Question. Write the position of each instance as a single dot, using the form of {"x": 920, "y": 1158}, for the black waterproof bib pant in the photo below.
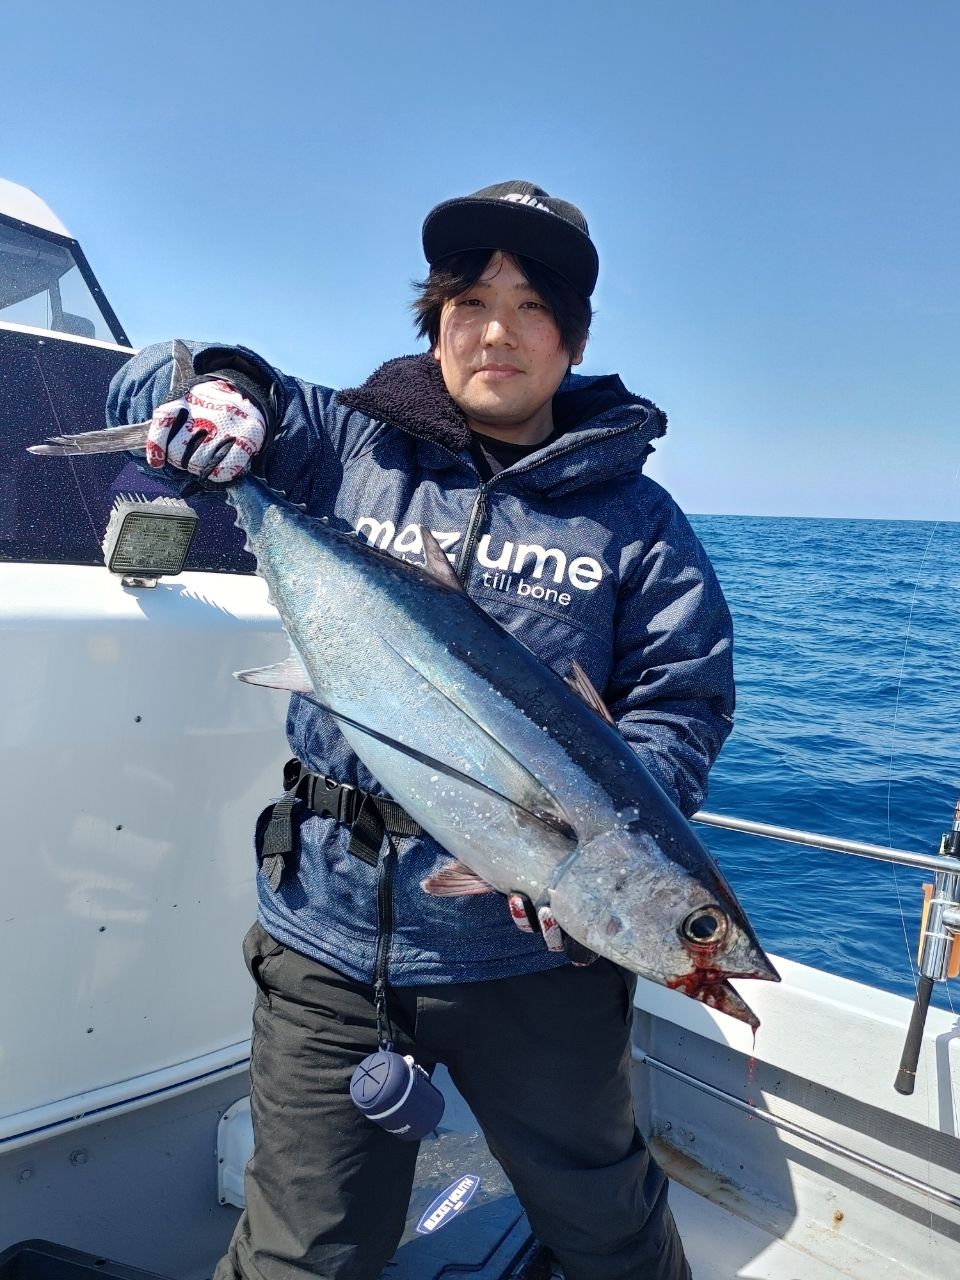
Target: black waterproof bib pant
{"x": 544, "y": 1063}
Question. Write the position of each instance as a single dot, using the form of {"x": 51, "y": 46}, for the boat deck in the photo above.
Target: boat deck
{"x": 720, "y": 1245}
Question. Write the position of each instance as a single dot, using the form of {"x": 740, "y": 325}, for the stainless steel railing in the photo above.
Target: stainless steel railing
{"x": 924, "y": 861}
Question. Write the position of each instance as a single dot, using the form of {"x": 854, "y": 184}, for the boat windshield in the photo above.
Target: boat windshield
{"x": 43, "y": 286}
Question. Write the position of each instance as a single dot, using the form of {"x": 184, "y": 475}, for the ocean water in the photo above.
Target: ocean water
{"x": 847, "y": 635}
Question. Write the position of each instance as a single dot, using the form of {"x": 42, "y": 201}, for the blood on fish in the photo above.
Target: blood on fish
{"x": 693, "y": 983}
{"x": 709, "y": 986}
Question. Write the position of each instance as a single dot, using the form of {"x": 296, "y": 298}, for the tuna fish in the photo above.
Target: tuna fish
{"x": 523, "y": 778}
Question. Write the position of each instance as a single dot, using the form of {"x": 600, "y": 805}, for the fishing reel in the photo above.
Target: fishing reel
{"x": 938, "y": 957}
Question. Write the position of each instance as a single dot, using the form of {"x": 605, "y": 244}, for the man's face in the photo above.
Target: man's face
{"x": 500, "y": 354}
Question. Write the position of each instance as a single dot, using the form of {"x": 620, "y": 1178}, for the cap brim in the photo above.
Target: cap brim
{"x": 471, "y": 223}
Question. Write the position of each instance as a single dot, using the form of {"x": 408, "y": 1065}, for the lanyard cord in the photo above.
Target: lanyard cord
{"x": 386, "y": 873}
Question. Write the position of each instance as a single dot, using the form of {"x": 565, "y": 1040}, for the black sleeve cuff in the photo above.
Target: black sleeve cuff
{"x": 248, "y": 376}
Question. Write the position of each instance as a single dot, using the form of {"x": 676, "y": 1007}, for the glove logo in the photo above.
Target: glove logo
{"x": 212, "y": 431}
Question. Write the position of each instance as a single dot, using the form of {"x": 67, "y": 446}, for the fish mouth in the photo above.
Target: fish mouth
{"x": 710, "y": 982}
{"x": 712, "y": 988}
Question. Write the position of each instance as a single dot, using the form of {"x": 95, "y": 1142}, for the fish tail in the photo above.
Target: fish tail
{"x": 106, "y": 440}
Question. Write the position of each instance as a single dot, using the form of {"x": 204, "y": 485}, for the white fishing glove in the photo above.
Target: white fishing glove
{"x": 530, "y": 920}
{"x": 212, "y": 431}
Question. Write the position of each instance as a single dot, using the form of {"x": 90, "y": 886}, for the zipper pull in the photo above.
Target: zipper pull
{"x": 384, "y": 1029}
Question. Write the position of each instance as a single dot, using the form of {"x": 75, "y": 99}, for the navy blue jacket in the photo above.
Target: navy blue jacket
{"x": 573, "y": 550}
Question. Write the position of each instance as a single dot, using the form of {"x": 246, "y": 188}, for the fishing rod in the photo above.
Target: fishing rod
{"x": 938, "y": 957}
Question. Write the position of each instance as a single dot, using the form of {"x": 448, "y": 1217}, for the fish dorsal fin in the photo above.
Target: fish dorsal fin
{"x": 290, "y": 674}
{"x": 436, "y": 562}
{"x": 455, "y": 881}
{"x": 583, "y": 686}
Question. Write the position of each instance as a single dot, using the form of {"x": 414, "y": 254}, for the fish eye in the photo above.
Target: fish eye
{"x": 706, "y": 926}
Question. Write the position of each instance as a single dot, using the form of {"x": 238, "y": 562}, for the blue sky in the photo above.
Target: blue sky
{"x": 773, "y": 189}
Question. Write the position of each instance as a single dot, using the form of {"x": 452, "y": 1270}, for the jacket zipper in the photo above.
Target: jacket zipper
{"x": 472, "y": 536}
{"x": 479, "y": 511}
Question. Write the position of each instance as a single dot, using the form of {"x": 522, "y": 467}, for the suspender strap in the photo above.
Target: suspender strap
{"x": 366, "y": 831}
{"x": 367, "y": 816}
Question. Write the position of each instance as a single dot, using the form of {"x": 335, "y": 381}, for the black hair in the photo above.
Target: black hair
{"x": 453, "y": 275}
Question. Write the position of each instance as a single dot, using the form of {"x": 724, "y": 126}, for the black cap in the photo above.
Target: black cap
{"x": 517, "y": 217}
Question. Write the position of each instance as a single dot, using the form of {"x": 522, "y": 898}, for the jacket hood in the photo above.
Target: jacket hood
{"x": 409, "y": 392}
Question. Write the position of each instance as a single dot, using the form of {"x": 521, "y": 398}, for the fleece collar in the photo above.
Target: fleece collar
{"x": 410, "y": 393}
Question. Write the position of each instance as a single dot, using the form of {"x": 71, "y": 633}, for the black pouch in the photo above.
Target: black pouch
{"x": 277, "y": 838}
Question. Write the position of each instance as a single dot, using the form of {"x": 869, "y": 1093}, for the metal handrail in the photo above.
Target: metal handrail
{"x": 923, "y": 861}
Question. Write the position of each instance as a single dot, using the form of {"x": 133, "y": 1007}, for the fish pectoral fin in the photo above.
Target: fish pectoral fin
{"x": 436, "y": 562}
{"x": 456, "y": 880}
{"x": 556, "y": 825}
{"x": 290, "y": 674}
{"x": 583, "y": 686}
{"x": 549, "y": 811}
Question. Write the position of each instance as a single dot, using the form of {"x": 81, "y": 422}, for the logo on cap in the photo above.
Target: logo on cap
{"x": 516, "y": 198}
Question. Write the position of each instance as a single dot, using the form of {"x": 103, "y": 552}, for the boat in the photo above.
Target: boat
{"x": 128, "y": 885}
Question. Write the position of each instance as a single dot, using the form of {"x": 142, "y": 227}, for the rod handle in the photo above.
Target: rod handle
{"x": 907, "y": 1075}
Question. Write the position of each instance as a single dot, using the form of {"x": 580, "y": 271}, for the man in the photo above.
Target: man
{"x": 533, "y": 478}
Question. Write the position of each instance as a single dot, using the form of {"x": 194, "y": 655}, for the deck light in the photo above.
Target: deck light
{"x": 148, "y": 537}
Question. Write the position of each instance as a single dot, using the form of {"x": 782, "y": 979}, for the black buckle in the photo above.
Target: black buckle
{"x": 337, "y": 799}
